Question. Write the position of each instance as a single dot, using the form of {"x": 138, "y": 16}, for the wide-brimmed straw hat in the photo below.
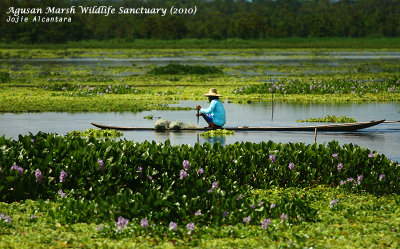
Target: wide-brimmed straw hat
{"x": 212, "y": 93}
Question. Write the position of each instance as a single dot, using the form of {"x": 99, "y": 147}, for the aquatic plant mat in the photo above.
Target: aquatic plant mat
{"x": 67, "y": 191}
{"x": 101, "y": 80}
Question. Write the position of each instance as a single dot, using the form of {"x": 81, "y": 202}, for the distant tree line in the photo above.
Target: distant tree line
{"x": 217, "y": 19}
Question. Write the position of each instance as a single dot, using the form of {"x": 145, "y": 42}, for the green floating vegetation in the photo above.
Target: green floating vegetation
{"x": 331, "y": 86}
{"x": 185, "y": 69}
{"x": 329, "y": 119}
{"x": 158, "y": 193}
{"x": 5, "y": 77}
{"x": 217, "y": 132}
{"x": 97, "y": 133}
{"x": 149, "y": 117}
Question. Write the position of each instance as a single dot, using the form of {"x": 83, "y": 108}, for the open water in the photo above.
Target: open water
{"x": 384, "y": 138}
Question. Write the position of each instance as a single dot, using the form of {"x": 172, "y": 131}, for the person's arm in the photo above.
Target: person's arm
{"x": 210, "y": 109}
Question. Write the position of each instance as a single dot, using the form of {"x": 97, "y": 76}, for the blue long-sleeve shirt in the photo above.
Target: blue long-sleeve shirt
{"x": 217, "y": 110}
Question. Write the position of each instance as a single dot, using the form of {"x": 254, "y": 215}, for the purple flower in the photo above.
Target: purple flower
{"x": 246, "y": 219}
{"x": 18, "y": 168}
{"x": 182, "y": 174}
{"x": 335, "y": 155}
{"x": 284, "y": 217}
{"x": 99, "y": 227}
{"x": 173, "y": 226}
{"x": 61, "y": 193}
{"x": 63, "y": 176}
{"x": 32, "y": 140}
{"x": 381, "y": 177}
{"x": 190, "y": 227}
{"x": 7, "y": 219}
{"x": 340, "y": 167}
{"x": 260, "y": 203}
{"x": 252, "y": 206}
{"x": 150, "y": 177}
{"x": 371, "y": 155}
{"x": 239, "y": 197}
{"x": 225, "y": 214}
{"x": 101, "y": 165}
{"x": 272, "y": 205}
{"x": 144, "y": 223}
{"x": 342, "y": 182}
{"x": 33, "y": 217}
{"x": 350, "y": 179}
{"x": 359, "y": 178}
{"x": 38, "y": 175}
{"x": 333, "y": 203}
{"x": 272, "y": 158}
{"x": 265, "y": 223}
{"x": 186, "y": 164}
{"x": 139, "y": 169}
{"x": 291, "y": 166}
{"x": 200, "y": 171}
{"x": 197, "y": 213}
{"x": 214, "y": 185}
{"x": 121, "y": 223}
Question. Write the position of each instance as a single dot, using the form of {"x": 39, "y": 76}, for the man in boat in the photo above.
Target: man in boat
{"x": 214, "y": 115}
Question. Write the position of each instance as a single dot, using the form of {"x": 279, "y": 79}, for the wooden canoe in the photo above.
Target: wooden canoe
{"x": 331, "y": 127}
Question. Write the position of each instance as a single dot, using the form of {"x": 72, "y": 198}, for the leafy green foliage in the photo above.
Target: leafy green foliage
{"x": 185, "y": 69}
{"x": 4, "y": 77}
{"x": 97, "y": 133}
{"x": 329, "y": 119}
{"x": 334, "y": 86}
{"x": 217, "y": 132}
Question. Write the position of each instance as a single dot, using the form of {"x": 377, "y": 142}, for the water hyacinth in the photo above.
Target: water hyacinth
{"x": 272, "y": 158}
{"x": 214, "y": 185}
{"x": 101, "y": 165}
{"x": 265, "y": 223}
{"x": 284, "y": 217}
{"x": 61, "y": 193}
{"x": 33, "y": 217}
{"x": 186, "y": 164}
{"x": 252, "y": 206}
{"x": 272, "y": 205}
{"x": 260, "y": 203}
{"x": 225, "y": 214}
{"x": 121, "y": 223}
{"x": 182, "y": 174}
{"x": 139, "y": 169}
{"x": 38, "y": 175}
{"x": 247, "y": 220}
{"x": 63, "y": 176}
{"x": 197, "y": 213}
{"x": 335, "y": 155}
{"x": 200, "y": 171}
{"x": 173, "y": 226}
{"x": 144, "y": 223}
{"x": 291, "y": 166}
{"x": 381, "y": 177}
{"x": 18, "y": 168}
{"x": 333, "y": 203}
{"x": 370, "y": 155}
{"x": 340, "y": 167}
{"x": 99, "y": 227}
{"x": 190, "y": 227}
{"x": 239, "y": 197}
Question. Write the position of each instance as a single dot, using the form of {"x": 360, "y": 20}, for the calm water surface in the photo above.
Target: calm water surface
{"x": 384, "y": 138}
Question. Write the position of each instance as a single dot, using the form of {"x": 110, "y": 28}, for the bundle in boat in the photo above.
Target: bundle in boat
{"x": 165, "y": 124}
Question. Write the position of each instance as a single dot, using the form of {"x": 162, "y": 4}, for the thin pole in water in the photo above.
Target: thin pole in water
{"x": 315, "y": 135}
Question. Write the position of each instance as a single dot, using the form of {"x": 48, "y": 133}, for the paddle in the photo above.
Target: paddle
{"x": 198, "y": 116}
